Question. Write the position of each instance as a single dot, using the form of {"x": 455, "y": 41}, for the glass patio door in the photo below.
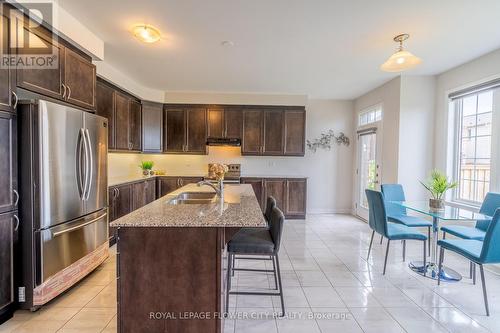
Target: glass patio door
{"x": 368, "y": 170}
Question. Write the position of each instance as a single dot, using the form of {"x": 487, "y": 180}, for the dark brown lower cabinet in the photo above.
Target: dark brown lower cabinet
{"x": 167, "y": 184}
{"x": 290, "y": 194}
{"x": 143, "y": 192}
{"x": 9, "y": 223}
{"x": 120, "y": 204}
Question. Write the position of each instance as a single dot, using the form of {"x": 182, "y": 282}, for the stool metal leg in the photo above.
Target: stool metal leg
{"x": 233, "y": 265}
{"x": 386, "y": 255}
{"x": 474, "y": 273}
{"x": 485, "y": 294}
{"x": 429, "y": 239}
{"x": 441, "y": 258}
{"x": 425, "y": 258}
{"x": 275, "y": 274}
{"x": 370, "y": 248}
{"x": 381, "y": 239}
{"x": 278, "y": 271}
{"x": 228, "y": 282}
{"x": 404, "y": 250}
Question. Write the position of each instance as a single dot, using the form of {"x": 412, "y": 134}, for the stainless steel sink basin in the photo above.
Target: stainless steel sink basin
{"x": 193, "y": 198}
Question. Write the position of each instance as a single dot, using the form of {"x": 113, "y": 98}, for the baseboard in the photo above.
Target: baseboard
{"x": 330, "y": 211}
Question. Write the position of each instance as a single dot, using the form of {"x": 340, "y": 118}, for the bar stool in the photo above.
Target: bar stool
{"x": 258, "y": 242}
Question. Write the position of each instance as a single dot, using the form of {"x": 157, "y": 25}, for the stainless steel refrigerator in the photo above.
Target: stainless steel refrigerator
{"x": 63, "y": 183}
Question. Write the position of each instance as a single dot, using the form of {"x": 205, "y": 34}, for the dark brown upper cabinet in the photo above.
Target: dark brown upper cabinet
{"x": 135, "y": 128}
{"x": 71, "y": 79}
{"x": 9, "y": 195}
{"x": 8, "y": 97}
{"x": 152, "y": 127}
{"x": 122, "y": 121}
{"x": 185, "y": 130}
{"x": 272, "y": 133}
{"x": 252, "y": 132}
{"x": 216, "y": 128}
{"x": 79, "y": 79}
{"x": 224, "y": 122}
{"x": 295, "y": 132}
{"x": 105, "y": 106}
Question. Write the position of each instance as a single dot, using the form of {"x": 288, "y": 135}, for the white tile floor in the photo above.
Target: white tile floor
{"x": 328, "y": 284}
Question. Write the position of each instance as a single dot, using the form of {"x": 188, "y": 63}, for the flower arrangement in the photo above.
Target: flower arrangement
{"x": 218, "y": 170}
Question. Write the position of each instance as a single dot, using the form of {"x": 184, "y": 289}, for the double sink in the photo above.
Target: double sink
{"x": 200, "y": 198}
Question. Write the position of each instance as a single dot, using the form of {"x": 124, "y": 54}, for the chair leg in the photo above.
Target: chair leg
{"x": 441, "y": 258}
{"x": 386, "y": 255}
{"x": 275, "y": 274}
{"x": 278, "y": 271}
{"x": 429, "y": 240}
{"x": 474, "y": 274}
{"x": 228, "y": 282}
{"x": 444, "y": 234}
{"x": 425, "y": 258}
{"x": 381, "y": 239}
{"x": 404, "y": 250}
{"x": 233, "y": 265}
{"x": 485, "y": 294}
{"x": 370, "y": 247}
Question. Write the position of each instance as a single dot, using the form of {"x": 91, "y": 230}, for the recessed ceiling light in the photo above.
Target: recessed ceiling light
{"x": 227, "y": 43}
{"x": 146, "y": 33}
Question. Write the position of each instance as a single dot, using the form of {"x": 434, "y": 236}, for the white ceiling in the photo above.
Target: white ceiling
{"x": 321, "y": 48}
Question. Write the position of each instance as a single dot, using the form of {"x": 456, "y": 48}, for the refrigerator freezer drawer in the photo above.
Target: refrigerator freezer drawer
{"x": 65, "y": 244}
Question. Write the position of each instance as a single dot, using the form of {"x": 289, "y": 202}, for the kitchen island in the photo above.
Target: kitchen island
{"x": 171, "y": 259}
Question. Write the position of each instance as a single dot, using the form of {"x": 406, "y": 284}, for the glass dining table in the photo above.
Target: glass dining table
{"x": 448, "y": 213}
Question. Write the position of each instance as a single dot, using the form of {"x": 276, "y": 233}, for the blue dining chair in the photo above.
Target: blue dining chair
{"x": 479, "y": 252}
{"x": 397, "y": 213}
{"x": 490, "y": 204}
{"x": 378, "y": 221}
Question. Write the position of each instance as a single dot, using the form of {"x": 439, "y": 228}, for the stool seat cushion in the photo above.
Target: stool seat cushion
{"x": 251, "y": 241}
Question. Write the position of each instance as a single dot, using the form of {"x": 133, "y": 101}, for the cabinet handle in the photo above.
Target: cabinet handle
{"x": 64, "y": 90}
{"x": 69, "y": 92}
{"x": 181, "y": 181}
{"x": 117, "y": 191}
{"x": 17, "y": 197}
{"x": 17, "y": 222}
{"x": 16, "y": 99}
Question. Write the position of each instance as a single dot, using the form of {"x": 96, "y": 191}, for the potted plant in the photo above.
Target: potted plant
{"x": 147, "y": 167}
{"x": 437, "y": 185}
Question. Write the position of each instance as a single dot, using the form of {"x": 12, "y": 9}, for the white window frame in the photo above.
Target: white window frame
{"x": 374, "y": 109}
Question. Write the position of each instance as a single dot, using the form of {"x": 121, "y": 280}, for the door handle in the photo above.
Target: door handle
{"x": 17, "y": 222}
{"x": 16, "y": 99}
{"x": 17, "y": 197}
{"x": 69, "y": 92}
{"x": 90, "y": 163}
{"x": 58, "y": 233}
{"x": 87, "y": 162}
{"x": 80, "y": 176}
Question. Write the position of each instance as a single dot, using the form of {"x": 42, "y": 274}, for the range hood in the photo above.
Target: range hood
{"x": 234, "y": 142}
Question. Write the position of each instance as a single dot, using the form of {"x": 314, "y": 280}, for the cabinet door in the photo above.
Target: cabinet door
{"x": 273, "y": 133}
{"x": 233, "y": 123}
{"x": 112, "y": 194}
{"x": 296, "y": 197}
{"x": 122, "y": 120}
{"x": 150, "y": 190}
{"x": 46, "y": 81}
{"x": 174, "y": 133}
{"x": 252, "y": 132}
{"x": 196, "y": 138}
{"x": 216, "y": 128}
{"x": 276, "y": 188}
{"x": 8, "y": 166}
{"x": 135, "y": 132}
{"x": 152, "y": 127}
{"x": 79, "y": 78}
{"x": 189, "y": 180}
{"x": 7, "y": 82}
{"x": 7, "y": 225}
{"x": 167, "y": 185}
{"x": 123, "y": 200}
{"x": 138, "y": 195}
{"x": 295, "y": 126}
{"x": 105, "y": 107}
{"x": 258, "y": 188}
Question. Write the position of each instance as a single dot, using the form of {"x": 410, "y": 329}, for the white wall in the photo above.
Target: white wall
{"x": 234, "y": 98}
{"x": 329, "y": 172}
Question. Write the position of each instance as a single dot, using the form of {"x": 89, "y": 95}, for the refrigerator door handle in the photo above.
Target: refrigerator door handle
{"x": 58, "y": 233}
{"x": 79, "y": 163}
{"x": 90, "y": 170}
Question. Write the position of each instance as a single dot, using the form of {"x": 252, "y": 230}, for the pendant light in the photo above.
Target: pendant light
{"x": 401, "y": 60}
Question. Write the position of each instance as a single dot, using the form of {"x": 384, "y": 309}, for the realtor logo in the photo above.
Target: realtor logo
{"x": 26, "y": 43}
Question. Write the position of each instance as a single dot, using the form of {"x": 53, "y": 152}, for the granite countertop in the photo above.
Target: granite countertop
{"x": 112, "y": 181}
{"x": 241, "y": 209}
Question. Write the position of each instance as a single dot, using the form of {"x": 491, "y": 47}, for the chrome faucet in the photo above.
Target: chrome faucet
{"x": 219, "y": 190}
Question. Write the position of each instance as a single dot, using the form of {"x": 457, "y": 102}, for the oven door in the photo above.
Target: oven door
{"x": 63, "y": 245}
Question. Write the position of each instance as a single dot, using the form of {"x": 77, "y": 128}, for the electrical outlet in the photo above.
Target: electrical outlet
{"x": 22, "y": 294}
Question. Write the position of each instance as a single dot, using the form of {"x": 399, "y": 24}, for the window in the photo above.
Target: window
{"x": 473, "y": 146}
{"x": 370, "y": 115}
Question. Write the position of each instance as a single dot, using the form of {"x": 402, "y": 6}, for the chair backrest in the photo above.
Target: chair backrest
{"x": 490, "y": 204}
{"x": 490, "y": 253}
{"x": 377, "y": 218}
{"x": 270, "y": 204}
{"x": 276, "y": 227}
{"x": 393, "y": 192}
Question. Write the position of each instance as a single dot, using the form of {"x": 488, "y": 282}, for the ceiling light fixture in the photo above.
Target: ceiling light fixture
{"x": 227, "y": 43}
{"x": 146, "y": 33}
{"x": 401, "y": 60}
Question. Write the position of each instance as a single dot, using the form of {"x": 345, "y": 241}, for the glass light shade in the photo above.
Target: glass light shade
{"x": 146, "y": 33}
{"x": 400, "y": 61}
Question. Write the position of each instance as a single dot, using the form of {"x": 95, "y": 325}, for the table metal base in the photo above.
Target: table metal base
{"x": 431, "y": 271}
